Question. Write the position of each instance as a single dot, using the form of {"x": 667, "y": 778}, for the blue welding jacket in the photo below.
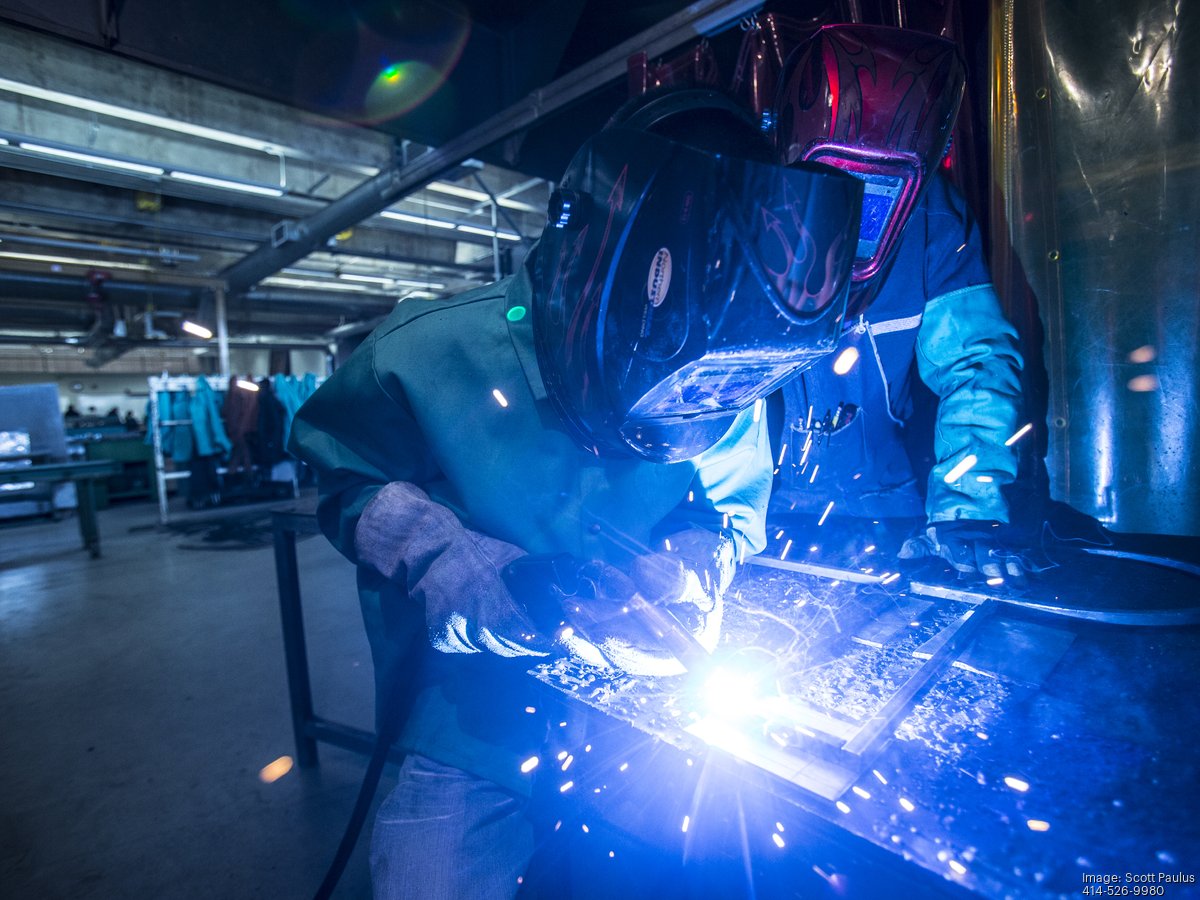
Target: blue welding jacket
{"x": 936, "y": 318}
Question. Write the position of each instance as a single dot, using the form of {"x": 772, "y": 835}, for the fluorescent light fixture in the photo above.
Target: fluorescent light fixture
{"x": 330, "y": 285}
{"x": 3, "y": 142}
{"x": 432, "y": 285}
{"x": 243, "y": 186}
{"x": 368, "y": 279}
{"x": 198, "y": 330}
{"x": 246, "y": 385}
{"x": 488, "y": 232}
{"x": 455, "y": 190}
{"x": 71, "y": 261}
{"x": 416, "y": 220}
{"x": 132, "y": 115}
{"x": 92, "y": 159}
{"x": 418, "y": 295}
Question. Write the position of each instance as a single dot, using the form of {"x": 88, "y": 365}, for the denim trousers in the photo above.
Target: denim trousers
{"x": 444, "y": 834}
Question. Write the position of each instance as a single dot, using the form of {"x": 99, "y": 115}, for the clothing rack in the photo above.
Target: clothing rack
{"x": 166, "y": 384}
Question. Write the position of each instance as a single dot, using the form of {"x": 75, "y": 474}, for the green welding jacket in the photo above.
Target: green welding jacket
{"x": 447, "y": 395}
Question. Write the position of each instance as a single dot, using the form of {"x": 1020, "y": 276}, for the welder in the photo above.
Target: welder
{"x": 881, "y": 103}
{"x": 604, "y": 402}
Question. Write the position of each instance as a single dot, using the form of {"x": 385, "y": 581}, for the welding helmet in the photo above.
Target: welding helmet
{"x": 878, "y": 103}
{"x": 673, "y": 287}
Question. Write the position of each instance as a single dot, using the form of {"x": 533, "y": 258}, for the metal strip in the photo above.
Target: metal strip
{"x": 813, "y": 569}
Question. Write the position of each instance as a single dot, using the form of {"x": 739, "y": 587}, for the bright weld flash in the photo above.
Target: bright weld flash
{"x": 964, "y": 466}
{"x": 500, "y": 398}
{"x": 845, "y": 361}
{"x": 273, "y": 771}
{"x": 727, "y": 694}
{"x": 1020, "y": 433}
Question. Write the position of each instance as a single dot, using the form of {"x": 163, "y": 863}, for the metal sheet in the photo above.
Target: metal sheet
{"x": 1097, "y": 142}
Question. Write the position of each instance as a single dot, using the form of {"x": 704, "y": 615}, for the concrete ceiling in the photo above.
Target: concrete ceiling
{"x": 306, "y": 163}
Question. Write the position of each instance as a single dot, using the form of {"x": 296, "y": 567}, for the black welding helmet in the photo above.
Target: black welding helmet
{"x": 879, "y": 103}
{"x": 673, "y": 287}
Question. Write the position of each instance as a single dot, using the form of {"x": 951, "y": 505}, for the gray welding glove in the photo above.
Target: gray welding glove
{"x": 688, "y": 577}
{"x": 453, "y": 571}
{"x": 970, "y": 547}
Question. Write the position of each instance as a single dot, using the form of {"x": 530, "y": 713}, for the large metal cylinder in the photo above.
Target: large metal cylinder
{"x": 1096, "y": 158}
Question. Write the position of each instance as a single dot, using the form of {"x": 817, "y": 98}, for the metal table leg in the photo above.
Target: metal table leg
{"x": 85, "y": 492}
{"x": 295, "y": 653}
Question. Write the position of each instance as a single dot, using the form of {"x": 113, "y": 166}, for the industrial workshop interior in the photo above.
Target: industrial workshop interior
{"x": 580, "y": 449}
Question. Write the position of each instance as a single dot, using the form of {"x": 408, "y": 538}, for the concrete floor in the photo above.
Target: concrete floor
{"x": 140, "y": 696}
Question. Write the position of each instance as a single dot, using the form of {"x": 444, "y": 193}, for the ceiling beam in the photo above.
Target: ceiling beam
{"x": 700, "y": 19}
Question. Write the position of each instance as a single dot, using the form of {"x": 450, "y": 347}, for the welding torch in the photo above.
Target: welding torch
{"x": 549, "y": 587}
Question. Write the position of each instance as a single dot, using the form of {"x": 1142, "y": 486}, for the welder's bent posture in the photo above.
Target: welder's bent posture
{"x": 880, "y": 103}
{"x": 570, "y": 408}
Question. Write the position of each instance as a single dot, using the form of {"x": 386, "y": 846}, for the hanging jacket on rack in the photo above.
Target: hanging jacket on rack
{"x": 288, "y": 392}
{"x": 240, "y": 414}
{"x": 208, "y": 429}
{"x": 272, "y": 417}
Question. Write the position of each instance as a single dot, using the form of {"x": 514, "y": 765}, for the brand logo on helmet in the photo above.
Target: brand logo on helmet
{"x": 658, "y": 281}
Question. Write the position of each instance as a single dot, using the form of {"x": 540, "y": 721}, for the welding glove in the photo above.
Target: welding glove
{"x": 452, "y": 570}
{"x": 688, "y": 577}
{"x": 970, "y": 547}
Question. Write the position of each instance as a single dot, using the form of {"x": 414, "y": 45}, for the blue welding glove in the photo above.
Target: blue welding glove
{"x": 971, "y": 548}
{"x": 689, "y": 579}
{"x": 452, "y": 570}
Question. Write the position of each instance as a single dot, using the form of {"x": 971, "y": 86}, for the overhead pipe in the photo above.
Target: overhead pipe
{"x": 372, "y": 196}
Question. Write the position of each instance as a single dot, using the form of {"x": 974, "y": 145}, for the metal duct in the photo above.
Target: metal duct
{"x": 1097, "y": 159}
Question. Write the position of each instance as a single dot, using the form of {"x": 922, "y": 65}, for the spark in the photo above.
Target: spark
{"x": 500, "y": 398}
{"x": 1038, "y": 825}
{"x": 1017, "y": 784}
{"x": 567, "y": 762}
{"x": 981, "y": 735}
{"x": 813, "y": 477}
{"x": 1141, "y": 384}
{"x": 779, "y": 535}
{"x": 965, "y": 465}
{"x": 890, "y": 578}
{"x": 813, "y": 549}
{"x": 623, "y": 767}
{"x": 1143, "y": 354}
{"x": 821, "y": 521}
{"x": 786, "y": 548}
{"x": 273, "y": 771}
{"x": 878, "y": 775}
{"x": 1019, "y": 433}
{"x": 866, "y": 795}
{"x": 779, "y": 826}
{"x": 585, "y": 829}
{"x": 843, "y": 807}
{"x": 612, "y": 854}
{"x": 957, "y": 867}
{"x": 691, "y": 496}
{"x": 587, "y": 748}
{"x": 690, "y": 762}
{"x": 687, "y": 820}
{"x": 995, "y": 581}
{"x": 869, "y": 549}
{"x": 531, "y": 709}
{"x": 778, "y": 841}
{"x": 566, "y": 633}
{"x": 566, "y": 787}
{"x": 907, "y": 804}
{"x": 984, "y": 479}
{"x": 562, "y": 754}
{"x": 782, "y": 454}
{"x": 845, "y": 361}
{"x": 530, "y": 764}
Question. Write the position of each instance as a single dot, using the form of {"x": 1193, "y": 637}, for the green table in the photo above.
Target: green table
{"x": 84, "y": 475}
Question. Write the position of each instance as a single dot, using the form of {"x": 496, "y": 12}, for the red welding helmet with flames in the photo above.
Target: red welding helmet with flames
{"x": 878, "y": 103}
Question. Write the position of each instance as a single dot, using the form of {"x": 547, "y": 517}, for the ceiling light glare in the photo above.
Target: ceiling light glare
{"x": 92, "y": 159}
{"x": 243, "y": 186}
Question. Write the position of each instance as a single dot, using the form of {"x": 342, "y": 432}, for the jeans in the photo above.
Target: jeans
{"x": 444, "y": 833}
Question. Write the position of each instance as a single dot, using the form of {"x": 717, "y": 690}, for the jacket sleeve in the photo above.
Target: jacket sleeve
{"x": 358, "y": 437}
{"x": 967, "y": 354}
{"x": 734, "y": 478}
